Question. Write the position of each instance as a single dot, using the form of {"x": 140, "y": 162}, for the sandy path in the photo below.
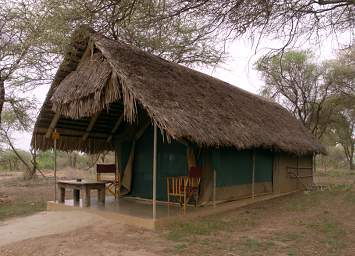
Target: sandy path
{"x": 104, "y": 238}
{"x": 43, "y": 224}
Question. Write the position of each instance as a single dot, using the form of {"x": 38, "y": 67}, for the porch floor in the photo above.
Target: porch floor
{"x": 138, "y": 212}
{"x": 137, "y": 207}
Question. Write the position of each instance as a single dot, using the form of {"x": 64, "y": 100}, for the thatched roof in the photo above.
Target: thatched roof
{"x": 99, "y": 74}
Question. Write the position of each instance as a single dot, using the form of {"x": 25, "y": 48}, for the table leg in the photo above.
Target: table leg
{"x": 101, "y": 195}
{"x": 62, "y": 195}
{"x": 76, "y": 196}
{"x": 86, "y": 197}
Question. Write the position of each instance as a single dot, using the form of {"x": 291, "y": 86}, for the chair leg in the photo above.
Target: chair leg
{"x": 76, "y": 197}
{"x": 62, "y": 195}
{"x": 185, "y": 201}
{"x": 86, "y": 197}
{"x": 101, "y": 196}
{"x": 167, "y": 189}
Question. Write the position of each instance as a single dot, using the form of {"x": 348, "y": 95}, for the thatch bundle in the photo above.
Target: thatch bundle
{"x": 185, "y": 104}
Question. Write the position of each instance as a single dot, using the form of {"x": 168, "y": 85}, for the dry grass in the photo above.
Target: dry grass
{"x": 310, "y": 223}
{"x": 19, "y": 197}
{"x": 313, "y": 223}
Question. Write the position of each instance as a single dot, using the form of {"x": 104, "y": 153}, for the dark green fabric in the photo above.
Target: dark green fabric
{"x": 142, "y": 166}
{"x": 263, "y": 165}
{"x": 235, "y": 167}
{"x": 171, "y": 162}
{"x": 232, "y": 167}
{"x": 124, "y": 149}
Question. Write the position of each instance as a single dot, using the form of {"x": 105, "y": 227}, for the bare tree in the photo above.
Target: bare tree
{"x": 11, "y": 122}
{"x": 281, "y": 19}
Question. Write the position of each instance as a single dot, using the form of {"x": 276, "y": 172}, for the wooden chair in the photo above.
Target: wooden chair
{"x": 112, "y": 184}
{"x": 183, "y": 188}
{"x": 193, "y": 184}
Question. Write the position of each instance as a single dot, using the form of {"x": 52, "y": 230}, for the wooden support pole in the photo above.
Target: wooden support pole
{"x": 155, "y": 173}
{"x": 214, "y": 187}
{"x": 55, "y": 170}
{"x": 117, "y": 177}
{"x": 313, "y": 166}
{"x": 115, "y": 127}
{"x": 52, "y": 125}
{"x": 253, "y": 178}
{"x": 90, "y": 126}
{"x": 76, "y": 196}
{"x": 297, "y": 170}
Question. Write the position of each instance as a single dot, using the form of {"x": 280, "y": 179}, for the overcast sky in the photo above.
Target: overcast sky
{"x": 237, "y": 70}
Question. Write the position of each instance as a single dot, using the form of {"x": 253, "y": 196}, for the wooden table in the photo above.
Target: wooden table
{"x": 85, "y": 187}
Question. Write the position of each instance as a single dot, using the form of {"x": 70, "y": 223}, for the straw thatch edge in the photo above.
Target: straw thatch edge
{"x": 117, "y": 88}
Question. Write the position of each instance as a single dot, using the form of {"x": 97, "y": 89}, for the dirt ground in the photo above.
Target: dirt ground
{"x": 98, "y": 239}
{"x": 310, "y": 223}
{"x": 43, "y": 224}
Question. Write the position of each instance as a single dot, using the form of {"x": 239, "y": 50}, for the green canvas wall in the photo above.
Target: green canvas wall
{"x": 232, "y": 167}
{"x": 235, "y": 167}
{"x": 263, "y": 165}
{"x": 171, "y": 162}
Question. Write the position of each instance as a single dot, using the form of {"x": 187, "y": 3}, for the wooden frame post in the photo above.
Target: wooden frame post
{"x": 52, "y": 125}
{"x": 115, "y": 127}
{"x": 214, "y": 187}
{"x": 253, "y": 178}
{"x": 55, "y": 169}
{"x": 297, "y": 170}
{"x": 117, "y": 177}
{"x": 313, "y": 166}
{"x": 90, "y": 126}
{"x": 155, "y": 173}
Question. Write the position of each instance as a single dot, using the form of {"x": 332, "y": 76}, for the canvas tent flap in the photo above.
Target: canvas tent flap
{"x": 128, "y": 172}
{"x": 191, "y": 159}
{"x": 206, "y": 186}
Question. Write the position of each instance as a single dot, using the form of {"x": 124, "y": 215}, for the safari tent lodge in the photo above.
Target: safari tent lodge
{"x": 165, "y": 120}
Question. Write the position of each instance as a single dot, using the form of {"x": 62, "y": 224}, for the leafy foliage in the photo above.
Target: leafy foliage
{"x": 34, "y": 35}
{"x": 296, "y": 81}
{"x": 321, "y": 96}
{"x": 180, "y": 39}
{"x": 342, "y": 128}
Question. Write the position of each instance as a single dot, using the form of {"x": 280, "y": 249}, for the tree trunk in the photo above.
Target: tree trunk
{"x": 351, "y": 158}
{"x": 103, "y": 156}
{"x": 30, "y": 169}
{"x": 74, "y": 159}
{"x": 2, "y": 95}
{"x": 29, "y": 173}
{"x": 10, "y": 166}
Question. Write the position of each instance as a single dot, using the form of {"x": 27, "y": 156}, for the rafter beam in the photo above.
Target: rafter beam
{"x": 115, "y": 127}
{"x": 73, "y": 133}
{"x": 90, "y": 126}
{"x": 52, "y": 125}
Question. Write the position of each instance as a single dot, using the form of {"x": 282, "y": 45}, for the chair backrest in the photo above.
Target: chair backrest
{"x": 195, "y": 172}
{"x": 105, "y": 168}
{"x": 175, "y": 185}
